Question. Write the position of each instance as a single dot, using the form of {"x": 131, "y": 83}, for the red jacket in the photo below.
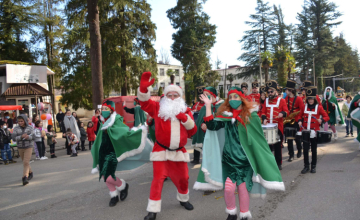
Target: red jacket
{"x": 95, "y": 121}
{"x": 197, "y": 106}
{"x": 254, "y": 97}
{"x": 279, "y": 107}
{"x": 91, "y": 133}
{"x": 317, "y": 112}
{"x": 170, "y": 134}
{"x": 298, "y": 106}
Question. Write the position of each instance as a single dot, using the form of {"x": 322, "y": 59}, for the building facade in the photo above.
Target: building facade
{"x": 164, "y": 79}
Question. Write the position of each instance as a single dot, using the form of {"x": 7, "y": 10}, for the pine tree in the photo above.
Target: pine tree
{"x": 193, "y": 39}
{"x": 262, "y": 26}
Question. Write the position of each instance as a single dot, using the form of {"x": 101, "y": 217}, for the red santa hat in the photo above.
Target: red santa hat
{"x": 173, "y": 88}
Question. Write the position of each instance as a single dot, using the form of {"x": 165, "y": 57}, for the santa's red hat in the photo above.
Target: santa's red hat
{"x": 173, "y": 88}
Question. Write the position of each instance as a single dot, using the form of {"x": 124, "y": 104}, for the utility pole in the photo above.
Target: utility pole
{"x": 225, "y": 82}
{"x": 314, "y": 72}
{"x": 260, "y": 60}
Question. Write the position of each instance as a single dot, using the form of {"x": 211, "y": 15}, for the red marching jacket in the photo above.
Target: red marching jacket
{"x": 197, "y": 106}
{"x": 271, "y": 109}
{"x": 298, "y": 106}
{"x": 310, "y": 115}
{"x": 254, "y": 97}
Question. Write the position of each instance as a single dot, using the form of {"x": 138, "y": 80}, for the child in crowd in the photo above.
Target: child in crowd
{"x": 91, "y": 133}
{"x": 51, "y": 141}
{"x": 73, "y": 141}
{"x": 83, "y": 136}
{"x": 39, "y": 135}
{"x": 31, "y": 122}
{"x": 5, "y": 140}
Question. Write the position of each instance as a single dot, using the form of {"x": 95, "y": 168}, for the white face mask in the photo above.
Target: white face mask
{"x": 4, "y": 126}
{"x": 69, "y": 116}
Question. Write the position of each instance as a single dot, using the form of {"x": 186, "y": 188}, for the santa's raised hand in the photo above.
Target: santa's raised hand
{"x": 145, "y": 82}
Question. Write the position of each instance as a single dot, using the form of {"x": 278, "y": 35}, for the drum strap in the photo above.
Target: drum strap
{"x": 272, "y": 108}
{"x": 310, "y": 113}
{"x": 292, "y": 107}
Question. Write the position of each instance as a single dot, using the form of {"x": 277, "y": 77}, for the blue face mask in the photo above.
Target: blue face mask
{"x": 235, "y": 103}
{"x": 105, "y": 114}
{"x": 7, "y": 117}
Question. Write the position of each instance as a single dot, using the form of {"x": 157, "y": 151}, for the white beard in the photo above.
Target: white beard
{"x": 170, "y": 108}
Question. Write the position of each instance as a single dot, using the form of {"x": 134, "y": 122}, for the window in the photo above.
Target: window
{"x": 222, "y": 79}
{"x": 178, "y": 84}
{"x": 162, "y": 72}
{"x": 155, "y": 86}
{"x": 177, "y": 72}
{"x": 227, "y": 87}
{"x": 162, "y": 85}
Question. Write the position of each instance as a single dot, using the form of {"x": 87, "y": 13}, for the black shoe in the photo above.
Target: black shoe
{"x": 25, "y": 180}
{"x": 299, "y": 154}
{"x": 280, "y": 167}
{"x": 74, "y": 155}
{"x": 84, "y": 149}
{"x": 31, "y": 175}
{"x": 150, "y": 216}
{"x": 290, "y": 158}
{"x": 195, "y": 162}
{"x": 124, "y": 192}
{"x": 305, "y": 170}
{"x": 114, "y": 201}
{"x": 313, "y": 169}
{"x": 187, "y": 205}
{"x": 12, "y": 161}
{"x": 6, "y": 162}
{"x": 232, "y": 217}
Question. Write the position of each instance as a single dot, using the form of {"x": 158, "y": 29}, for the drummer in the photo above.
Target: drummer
{"x": 304, "y": 86}
{"x": 254, "y": 96}
{"x": 311, "y": 121}
{"x": 294, "y": 104}
{"x": 273, "y": 111}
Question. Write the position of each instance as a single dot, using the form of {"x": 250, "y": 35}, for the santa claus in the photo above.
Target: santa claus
{"x": 174, "y": 125}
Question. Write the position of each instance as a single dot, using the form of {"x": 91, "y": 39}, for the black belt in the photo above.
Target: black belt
{"x": 166, "y": 148}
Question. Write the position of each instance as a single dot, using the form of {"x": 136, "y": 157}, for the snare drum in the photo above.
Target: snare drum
{"x": 323, "y": 137}
{"x": 306, "y": 136}
{"x": 290, "y": 133}
{"x": 271, "y": 133}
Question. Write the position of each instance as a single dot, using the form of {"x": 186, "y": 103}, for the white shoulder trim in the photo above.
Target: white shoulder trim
{"x": 230, "y": 114}
{"x": 109, "y": 122}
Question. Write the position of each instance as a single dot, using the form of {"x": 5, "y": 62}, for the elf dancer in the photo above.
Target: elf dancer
{"x": 311, "y": 121}
{"x": 198, "y": 138}
{"x": 174, "y": 124}
{"x": 295, "y": 106}
{"x": 236, "y": 155}
{"x": 139, "y": 115}
{"x": 354, "y": 114}
{"x": 331, "y": 107}
{"x": 255, "y": 95}
{"x": 114, "y": 143}
{"x": 273, "y": 111}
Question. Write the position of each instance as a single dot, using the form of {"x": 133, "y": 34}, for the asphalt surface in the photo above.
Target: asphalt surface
{"x": 64, "y": 188}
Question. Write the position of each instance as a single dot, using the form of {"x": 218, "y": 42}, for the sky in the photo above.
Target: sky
{"x": 230, "y": 15}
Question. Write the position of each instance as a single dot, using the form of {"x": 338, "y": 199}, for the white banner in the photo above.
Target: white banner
{"x": 25, "y": 74}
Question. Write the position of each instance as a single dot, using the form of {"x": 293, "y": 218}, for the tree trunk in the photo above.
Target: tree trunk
{"x": 172, "y": 79}
{"x": 266, "y": 74}
{"x": 95, "y": 52}
{"x": 123, "y": 65}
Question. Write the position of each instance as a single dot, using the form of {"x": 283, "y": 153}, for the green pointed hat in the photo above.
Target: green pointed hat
{"x": 236, "y": 90}
{"x": 211, "y": 90}
{"x": 109, "y": 104}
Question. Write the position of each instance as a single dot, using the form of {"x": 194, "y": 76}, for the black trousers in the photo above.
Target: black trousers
{"x": 68, "y": 147}
{"x": 196, "y": 155}
{"x": 313, "y": 143}
{"x": 90, "y": 144}
{"x": 297, "y": 140}
{"x": 277, "y": 148}
{"x": 83, "y": 145}
{"x": 52, "y": 149}
{"x": 41, "y": 148}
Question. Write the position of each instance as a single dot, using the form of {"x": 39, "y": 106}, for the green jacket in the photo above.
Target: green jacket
{"x": 49, "y": 138}
{"x": 333, "y": 112}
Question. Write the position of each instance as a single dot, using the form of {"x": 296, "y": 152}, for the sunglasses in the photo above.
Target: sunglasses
{"x": 271, "y": 92}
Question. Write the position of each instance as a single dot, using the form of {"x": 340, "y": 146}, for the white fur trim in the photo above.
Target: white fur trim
{"x": 189, "y": 124}
{"x": 143, "y": 96}
{"x": 329, "y": 92}
{"x": 233, "y": 120}
{"x": 231, "y": 212}
{"x": 165, "y": 155}
{"x": 95, "y": 170}
{"x": 217, "y": 98}
{"x": 109, "y": 122}
{"x": 269, "y": 185}
{"x": 137, "y": 150}
{"x": 227, "y": 113}
{"x": 254, "y": 109}
{"x": 207, "y": 179}
{"x": 173, "y": 88}
{"x": 255, "y": 196}
{"x": 174, "y": 134}
{"x": 245, "y": 215}
{"x": 102, "y": 118}
{"x": 122, "y": 187}
{"x": 154, "y": 206}
{"x": 206, "y": 187}
{"x": 114, "y": 193}
{"x": 183, "y": 197}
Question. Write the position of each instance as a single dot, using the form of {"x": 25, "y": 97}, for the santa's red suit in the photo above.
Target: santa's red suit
{"x": 197, "y": 106}
{"x": 169, "y": 155}
{"x": 254, "y": 97}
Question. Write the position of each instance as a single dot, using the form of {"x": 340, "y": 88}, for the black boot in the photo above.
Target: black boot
{"x": 195, "y": 162}
{"x": 114, "y": 201}
{"x": 232, "y": 217}
{"x": 31, "y": 175}
{"x": 74, "y": 155}
{"x": 313, "y": 169}
{"x": 290, "y": 158}
{"x": 280, "y": 167}
{"x": 124, "y": 192}
{"x": 25, "y": 180}
{"x": 150, "y": 216}
{"x": 299, "y": 154}
{"x": 187, "y": 205}
{"x": 305, "y": 170}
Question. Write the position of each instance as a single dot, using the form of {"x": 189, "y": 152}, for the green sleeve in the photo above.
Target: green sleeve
{"x": 214, "y": 125}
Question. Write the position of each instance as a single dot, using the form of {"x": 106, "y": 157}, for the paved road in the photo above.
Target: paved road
{"x": 63, "y": 188}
